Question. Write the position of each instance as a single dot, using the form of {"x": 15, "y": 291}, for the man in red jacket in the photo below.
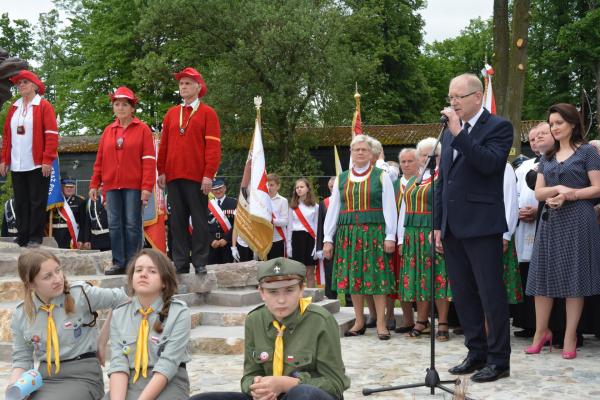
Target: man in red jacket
{"x": 188, "y": 159}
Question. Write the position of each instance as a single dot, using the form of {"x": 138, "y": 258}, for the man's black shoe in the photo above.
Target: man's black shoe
{"x": 114, "y": 270}
{"x": 200, "y": 270}
{"x": 467, "y": 366}
{"x": 525, "y": 333}
{"x": 182, "y": 269}
{"x": 371, "y": 322}
{"x": 490, "y": 373}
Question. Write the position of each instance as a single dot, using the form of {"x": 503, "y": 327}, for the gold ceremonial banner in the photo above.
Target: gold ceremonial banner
{"x": 257, "y": 232}
{"x": 254, "y": 214}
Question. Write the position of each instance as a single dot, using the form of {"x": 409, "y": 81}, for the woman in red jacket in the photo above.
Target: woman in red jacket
{"x": 29, "y": 147}
{"x": 126, "y": 165}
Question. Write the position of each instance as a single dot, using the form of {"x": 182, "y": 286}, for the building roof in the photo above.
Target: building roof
{"x": 388, "y": 135}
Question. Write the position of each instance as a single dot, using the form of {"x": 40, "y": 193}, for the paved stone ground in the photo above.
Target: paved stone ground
{"x": 373, "y": 363}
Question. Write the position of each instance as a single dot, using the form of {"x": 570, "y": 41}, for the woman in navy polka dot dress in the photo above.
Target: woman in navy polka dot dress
{"x": 566, "y": 258}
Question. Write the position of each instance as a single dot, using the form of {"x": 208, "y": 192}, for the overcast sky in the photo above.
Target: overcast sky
{"x": 443, "y": 18}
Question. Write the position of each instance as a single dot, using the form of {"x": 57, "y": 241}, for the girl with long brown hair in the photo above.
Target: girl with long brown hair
{"x": 56, "y": 322}
{"x": 149, "y": 334}
{"x": 302, "y": 228}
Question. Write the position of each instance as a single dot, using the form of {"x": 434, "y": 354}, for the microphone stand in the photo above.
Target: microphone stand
{"x": 432, "y": 378}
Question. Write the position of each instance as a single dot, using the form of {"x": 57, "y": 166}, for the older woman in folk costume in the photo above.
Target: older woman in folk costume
{"x": 414, "y": 225}
{"x": 409, "y": 165}
{"x": 362, "y": 208}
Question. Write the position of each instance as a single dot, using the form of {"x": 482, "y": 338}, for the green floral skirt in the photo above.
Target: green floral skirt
{"x": 415, "y": 271}
{"x": 361, "y": 264}
{"x": 512, "y": 275}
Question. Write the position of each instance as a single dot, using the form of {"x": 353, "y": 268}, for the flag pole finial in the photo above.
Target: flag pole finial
{"x": 356, "y": 94}
{"x": 257, "y": 104}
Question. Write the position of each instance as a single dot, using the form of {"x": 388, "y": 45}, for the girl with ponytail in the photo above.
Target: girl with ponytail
{"x": 57, "y": 322}
{"x": 149, "y": 334}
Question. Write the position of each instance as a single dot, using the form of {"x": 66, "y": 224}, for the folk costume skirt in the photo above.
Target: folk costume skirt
{"x": 361, "y": 266}
{"x": 512, "y": 275}
{"x": 415, "y": 270}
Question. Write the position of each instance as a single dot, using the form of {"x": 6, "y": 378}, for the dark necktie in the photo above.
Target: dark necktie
{"x": 219, "y": 203}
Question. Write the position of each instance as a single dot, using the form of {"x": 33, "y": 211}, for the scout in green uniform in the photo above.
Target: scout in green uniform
{"x": 292, "y": 347}
{"x": 149, "y": 334}
{"x": 57, "y": 322}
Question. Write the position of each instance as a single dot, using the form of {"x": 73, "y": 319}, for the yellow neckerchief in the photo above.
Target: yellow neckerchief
{"x": 182, "y": 128}
{"x": 278, "y": 354}
{"x": 51, "y": 340}
{"x": 141, "y": 350}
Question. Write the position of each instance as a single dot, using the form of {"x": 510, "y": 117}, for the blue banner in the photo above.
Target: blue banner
{"x": 55, "y": 195}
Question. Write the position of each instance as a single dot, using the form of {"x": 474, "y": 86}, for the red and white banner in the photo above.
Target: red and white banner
{"x": 489, "y": 102}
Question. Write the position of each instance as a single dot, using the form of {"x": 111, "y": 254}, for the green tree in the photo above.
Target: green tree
{"x": 444, "y": 60}
{"x": 581, "y": 42}
{"x": 16, "y": 37}
{"x": 389, "y": 33}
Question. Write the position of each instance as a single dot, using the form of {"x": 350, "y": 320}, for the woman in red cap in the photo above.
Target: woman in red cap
{"x": 28, "y": 149}
{"x": 188, "y": 160}
{"x": 126, "y": 166}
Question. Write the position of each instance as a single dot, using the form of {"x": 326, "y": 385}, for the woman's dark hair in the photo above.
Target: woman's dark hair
{"x": 569, "y": 113}
{"x": 166, "y": 270}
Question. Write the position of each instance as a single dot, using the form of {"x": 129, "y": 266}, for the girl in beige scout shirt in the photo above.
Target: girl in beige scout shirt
{"x": 56, "y": 322}
{"x": 149, "y": 335}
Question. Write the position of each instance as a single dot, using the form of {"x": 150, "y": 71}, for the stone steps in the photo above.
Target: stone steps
{"x": 214, "y": 315}
{"x": 211, "y": 339}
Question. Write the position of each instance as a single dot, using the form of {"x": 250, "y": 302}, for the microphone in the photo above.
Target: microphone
{"x": 444, "y": 119}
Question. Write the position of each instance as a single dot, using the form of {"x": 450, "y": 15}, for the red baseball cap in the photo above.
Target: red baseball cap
{"x": 31, "y": 77}
{"x": 190, "y": 72}
{"x": 123, "y": 92}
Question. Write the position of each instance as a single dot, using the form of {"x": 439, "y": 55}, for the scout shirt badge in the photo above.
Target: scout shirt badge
{"x": 264, "y": 356}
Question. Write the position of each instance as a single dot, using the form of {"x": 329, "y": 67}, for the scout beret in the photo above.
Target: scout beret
{"x": 280, "y": 272}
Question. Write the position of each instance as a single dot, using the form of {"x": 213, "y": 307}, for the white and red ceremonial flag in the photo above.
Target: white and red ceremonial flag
{"x": 154, "y": 214}
{"x": 254, "y": 213}
{"x": 489, "y": 102}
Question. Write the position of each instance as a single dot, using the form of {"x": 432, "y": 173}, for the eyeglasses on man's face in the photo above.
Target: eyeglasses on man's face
{"x": 450, "y": 98}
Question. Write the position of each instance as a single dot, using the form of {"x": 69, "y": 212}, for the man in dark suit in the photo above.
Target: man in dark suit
{"x": 470, "y": 222}
{"x": 221, "y": 212}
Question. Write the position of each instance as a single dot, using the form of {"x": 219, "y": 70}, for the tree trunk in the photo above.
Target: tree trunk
{"x": 517, "y": 74}
{"x": 500, "y": 58}
{"x": 597, "y": 98}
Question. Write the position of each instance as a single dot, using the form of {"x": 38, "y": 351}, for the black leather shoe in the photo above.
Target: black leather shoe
{"x": 490, "y": 373}
{"x": 182, "y": 269}
{"x": 390, "y": 324}
{"x": 371, "y": 323}
{"x": 467, "y": 366}
{"x": 114, "y": 270}
{"x": 525, "y": 333}
{"x": 200, "y": 270}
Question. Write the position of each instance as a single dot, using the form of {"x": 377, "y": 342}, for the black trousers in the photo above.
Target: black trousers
{"x": 246, "y": 253}
{"x": 187, "y": 200}
{"x": 277, "y": 250}
{"x": 220, "y": 255}
{"x": 300, "y": 392}
{"x": 475, "y": 271}
{"x": 31, "y": 198}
